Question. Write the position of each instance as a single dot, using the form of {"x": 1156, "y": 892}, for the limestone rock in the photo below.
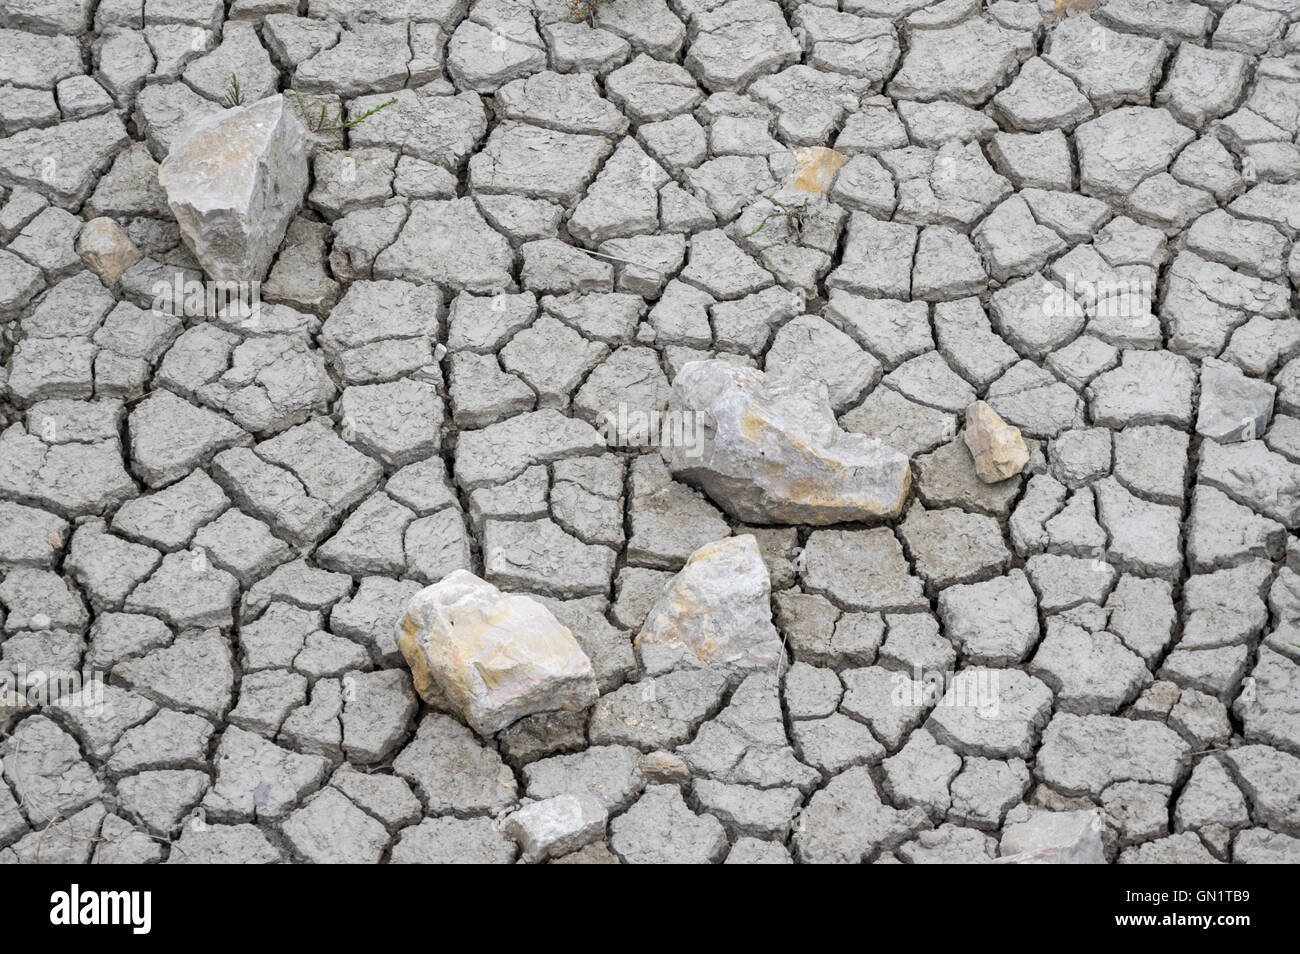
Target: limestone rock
{"x": 234, "y": 181}
{"x": 772, "y": 452}
{"x": 497, "y": 656}
{"x": 715, "y": 612}
{"x": 815, "y": 169}
{"x": 1055, "y": 838}
{"x": 557, "y": 826}
{"x": 106, "y": 248}
{"x": 997, "y": 447}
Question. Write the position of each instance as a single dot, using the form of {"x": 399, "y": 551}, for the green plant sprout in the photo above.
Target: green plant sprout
{"x": 234, "y": 94}
{"x": 580, "y": 10}
{"x": 793, "y": 215}
{"x": 323, "y": 122}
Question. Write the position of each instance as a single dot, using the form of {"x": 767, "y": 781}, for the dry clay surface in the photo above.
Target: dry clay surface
{"x": 226, "y": 518}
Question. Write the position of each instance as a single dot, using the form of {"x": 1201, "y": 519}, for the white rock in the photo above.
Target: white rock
{"x": 715, "y": 612}
{"x": 234, "y": 181}
{"x": 769, "y": 449}
{"x": 1055, "y": 838}
{"x": 497, "y": 656}
{"x": 556, "y": 826}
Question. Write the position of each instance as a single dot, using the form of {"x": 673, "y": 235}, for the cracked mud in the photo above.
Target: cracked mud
{"x": 480, "y": 325}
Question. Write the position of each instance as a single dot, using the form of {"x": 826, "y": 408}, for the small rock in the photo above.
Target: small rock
{"x": 1055, "y": 838}
{"x": 815, "y": 169}
{"x": 557, "y": 826}
{"x": 997, "y": 447}
{"x": 106, "y": 248}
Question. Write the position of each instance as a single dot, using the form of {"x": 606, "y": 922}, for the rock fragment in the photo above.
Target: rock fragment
{"x": 556, "y": 826}
{"x": 1055, "y": 838}
{"x": 234, "y": 181}
{"x": 772, "y": 452}
{"x": 106, "y": 248}
{"x": 498, "y": 657}
{"x": 997, "y": 447}
{"x": 715, "y": 612}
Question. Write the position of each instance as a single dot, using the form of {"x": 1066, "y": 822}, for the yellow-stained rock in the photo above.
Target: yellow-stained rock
{"x": 496, "y": 656}
{"x": 815, "y": 169}
{"x": 997, "y": 447}
{"x": 715, "y": 612}
{"x": 106, "y": 249}
{"x": 773, "y": 452}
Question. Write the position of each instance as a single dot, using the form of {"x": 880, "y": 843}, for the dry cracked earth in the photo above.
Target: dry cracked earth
{"x": 226, "y": 520}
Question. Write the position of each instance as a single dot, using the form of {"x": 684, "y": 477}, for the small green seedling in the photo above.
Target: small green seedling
{"x": 234, "y": 95}
{"x": 580, "y": 10}
{"x": 323, "y": 122}
{"x": 793, "y": 215}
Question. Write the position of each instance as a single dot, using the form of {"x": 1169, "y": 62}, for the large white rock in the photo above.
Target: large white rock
{"x": 496, "y": 656}
{"x": 769, "y": 449}
{"x": 1055, "y": 838}
{"x": 234, "y": 181}
{"x": 715, "y": 612}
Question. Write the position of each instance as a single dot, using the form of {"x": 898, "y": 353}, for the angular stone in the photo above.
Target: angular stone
{"x": 714, "y": 613}
{"x": 497, "y": 657}
{"x": 998, "y": 449}
{"x": 106, "y": 248}
{"x": 1055, "y": 838}
{"x": 234, "y": 182}
{"x": 773, "y": 453}
{"x": 557, "y": 826}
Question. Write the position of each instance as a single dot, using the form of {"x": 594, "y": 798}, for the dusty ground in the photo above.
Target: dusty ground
{"x": 226, "y": 518}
